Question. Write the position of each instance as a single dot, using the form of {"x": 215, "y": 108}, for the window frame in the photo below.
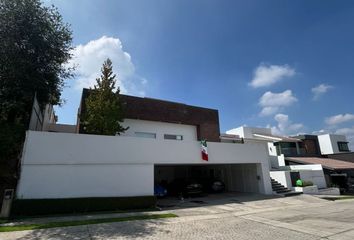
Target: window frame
{"x": 149, "y": 135}
{"x": 176, "y": 137}
{"x": 343, "y": 146}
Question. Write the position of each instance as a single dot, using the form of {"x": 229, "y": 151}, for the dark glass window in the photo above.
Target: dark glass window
{"x": 173, "y": 137}
{"x": 145, "y": 134}
{"x": 343, "y": 147}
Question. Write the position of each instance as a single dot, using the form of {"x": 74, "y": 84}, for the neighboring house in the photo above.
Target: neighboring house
{"x": 333, "y": 144}
{"x": 281, "y": 147}
{"x": 162, "y": 144}
{"x": 338, "y": 173}
{"x": 46, "y": 120}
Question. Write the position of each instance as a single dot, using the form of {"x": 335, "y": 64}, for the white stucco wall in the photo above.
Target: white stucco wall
{"x": 311, "y": 172}
{"x": 93, "y": 162}
{"x": 99, "y": 180}
{"x": 247, "y": 132}
{"x": 282, "y": 177}
{"x": 189, "y": 132}
{"x": 277, "y": 161}
{"x": 315, "y": 176}
{"x": 272, "y": 149}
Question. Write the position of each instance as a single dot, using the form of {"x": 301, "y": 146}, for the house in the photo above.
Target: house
{"x": 333, "y": 144}
{"x": 281, "y": 147}
{"x": 161, "y": 144}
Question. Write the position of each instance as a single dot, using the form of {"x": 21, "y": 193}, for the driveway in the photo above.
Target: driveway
{"x": 232, "y": 216}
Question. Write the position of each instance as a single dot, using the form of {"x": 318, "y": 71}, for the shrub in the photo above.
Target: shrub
{"x": 300, "y": 183}
{"x": 26, "y": 207}
{"x": 307, "y": 183}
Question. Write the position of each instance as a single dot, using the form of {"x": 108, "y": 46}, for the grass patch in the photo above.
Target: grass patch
{"x": 82, "y": 222}
{"x": 24, "y": 217}
{"x": 3, "y": 221}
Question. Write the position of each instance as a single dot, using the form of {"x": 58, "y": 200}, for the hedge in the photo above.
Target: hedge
{"x": 30, "y": 207}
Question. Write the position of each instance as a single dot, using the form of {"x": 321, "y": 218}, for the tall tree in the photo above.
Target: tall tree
{"x": 104, "y": 109}
{"x": 35, "y": 46}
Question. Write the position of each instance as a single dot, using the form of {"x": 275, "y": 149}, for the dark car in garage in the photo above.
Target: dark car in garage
{"x": 185, "y": 188}
{"x": 211, "y": 185}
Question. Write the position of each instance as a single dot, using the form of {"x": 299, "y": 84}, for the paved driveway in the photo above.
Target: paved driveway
{"x": 230, "y": 217}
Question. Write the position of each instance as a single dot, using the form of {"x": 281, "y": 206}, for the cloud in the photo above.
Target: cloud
{"x": 274, "y": 102}
{"x": 285, "y": 126}
{"x": 266, "y": 75}
{"x": 345, "y": 131}
{"x": 89, "y": 58}
{"x": 340, "y": 118}
{"x": 319, "y": 90}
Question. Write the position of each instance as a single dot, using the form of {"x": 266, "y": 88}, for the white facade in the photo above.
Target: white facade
{"x": 65, "y": 165}
{"x": 310, "y": 172}
{"x": 329, "y": 143}
{"x": 279, "y": 171}
{"x": 250, "y": 133}
{"x": 247, "y": 132}
{"x": 189, "y": 132}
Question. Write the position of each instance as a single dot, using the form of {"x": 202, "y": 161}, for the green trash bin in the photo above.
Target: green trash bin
{"x": 299, "y": 183}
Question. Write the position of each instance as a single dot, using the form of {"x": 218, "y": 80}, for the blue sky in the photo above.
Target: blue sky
{"x": 283, "y": 64}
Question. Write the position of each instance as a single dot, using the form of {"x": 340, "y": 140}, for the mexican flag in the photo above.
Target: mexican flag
{"x": 204, "y": 147}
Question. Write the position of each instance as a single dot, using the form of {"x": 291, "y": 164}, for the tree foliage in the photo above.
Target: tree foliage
{"x": 35, "y": 45}
{"x": 103, "y": 108}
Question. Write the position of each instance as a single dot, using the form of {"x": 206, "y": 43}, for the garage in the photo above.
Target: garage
{"x": 234, "y": 177}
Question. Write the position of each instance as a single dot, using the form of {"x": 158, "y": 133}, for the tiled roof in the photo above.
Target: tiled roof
{"x": 328, "y": 163}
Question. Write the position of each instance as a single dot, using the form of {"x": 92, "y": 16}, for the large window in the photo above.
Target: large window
{"x": 145, "y": 134}
{"x": 343, "y": 147}
{"x": 173, "y": 137}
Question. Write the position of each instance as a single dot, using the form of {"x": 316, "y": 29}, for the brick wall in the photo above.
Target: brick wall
{"x": 206, "y": 120}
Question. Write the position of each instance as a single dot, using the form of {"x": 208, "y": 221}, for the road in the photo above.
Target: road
{"x": 298, "y": 217}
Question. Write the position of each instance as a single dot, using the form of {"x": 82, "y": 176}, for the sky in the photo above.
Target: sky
{"x": 283, "y": 64}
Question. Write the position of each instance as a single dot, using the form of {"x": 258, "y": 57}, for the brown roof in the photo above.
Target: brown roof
{"x": 328, "y": 163}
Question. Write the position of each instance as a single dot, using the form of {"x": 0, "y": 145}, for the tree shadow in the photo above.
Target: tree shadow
{"x": 174, "y": 203}
{"x": 115, "y": 230}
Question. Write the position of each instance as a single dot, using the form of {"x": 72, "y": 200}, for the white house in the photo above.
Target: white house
{"x": 161, "y": 144}
{"x": 280, "y": 147}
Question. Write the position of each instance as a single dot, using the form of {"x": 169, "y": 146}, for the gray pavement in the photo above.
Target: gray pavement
{"x": 223, "y": 217}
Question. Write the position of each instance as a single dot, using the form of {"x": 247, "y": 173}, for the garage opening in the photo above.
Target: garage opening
{"x": 175, "y": 180}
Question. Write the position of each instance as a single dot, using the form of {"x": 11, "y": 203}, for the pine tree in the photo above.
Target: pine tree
{"x": 104, "y": 109}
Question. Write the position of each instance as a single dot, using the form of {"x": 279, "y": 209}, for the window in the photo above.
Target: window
{"x": 343, "y": 147}
{"x": 145, "y": 135}
{"x": 173, "y": 137}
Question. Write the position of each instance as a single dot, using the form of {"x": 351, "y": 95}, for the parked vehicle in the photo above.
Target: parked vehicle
{"x": 182, "y": 187}
{"x": 160, "y": 191}
{"x": 217, "y": 186}
{"x": 213, "y": 185}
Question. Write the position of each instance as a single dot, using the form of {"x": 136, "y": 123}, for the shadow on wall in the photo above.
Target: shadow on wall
{"x": 129, "y": 229}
